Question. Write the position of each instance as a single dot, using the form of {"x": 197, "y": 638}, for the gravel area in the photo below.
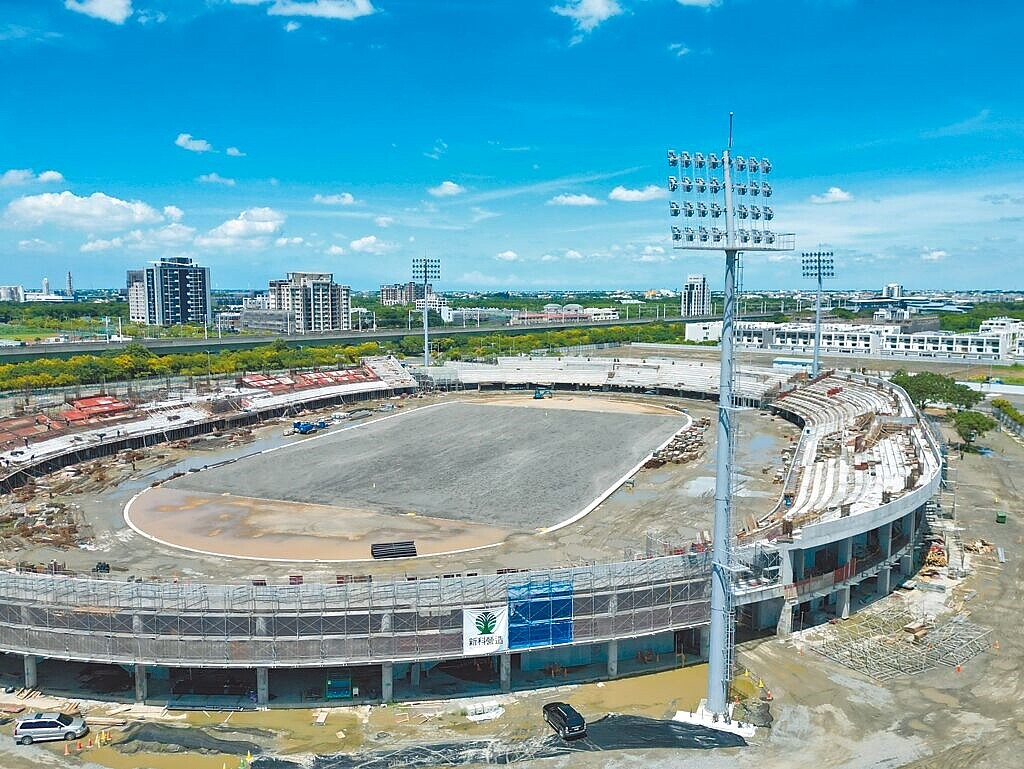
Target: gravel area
{"x": 521, "y": 468}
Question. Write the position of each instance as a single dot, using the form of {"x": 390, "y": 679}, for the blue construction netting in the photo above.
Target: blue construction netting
{"x": 539, "y": 614}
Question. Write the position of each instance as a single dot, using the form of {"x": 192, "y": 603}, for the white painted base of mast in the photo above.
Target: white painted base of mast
{"x": 703, "y": 717}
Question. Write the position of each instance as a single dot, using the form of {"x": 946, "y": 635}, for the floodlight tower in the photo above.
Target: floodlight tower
{"x": 716, "y": 215}
{"x": 818, "y": 265}
{"x": 426, "y": 270}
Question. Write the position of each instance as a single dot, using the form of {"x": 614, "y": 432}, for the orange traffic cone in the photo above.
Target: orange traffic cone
{"x": 996, "y": 645}
{"x": 67, "y": 749}
{"x": 88, "y": 744}
{"x": 78, "y": 746}
{"x": 957, "y": 668}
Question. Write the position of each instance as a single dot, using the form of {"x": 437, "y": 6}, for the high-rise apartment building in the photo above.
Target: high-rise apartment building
{"x": 696, "y": 297}
{"x": 173, "y": 291}
{"x": 892, "y": 291}
{"x": 394, "y": 294}
{"x": 314, "y": 300}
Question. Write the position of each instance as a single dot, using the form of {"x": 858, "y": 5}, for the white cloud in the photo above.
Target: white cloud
{"x": 446, "y": 189}
{"x": 507, "y": 256}
{"x": 832, "y": 195}
{"x": 250, "y": 229}
{"x": 215, "y": 178}
{"x": 295, "y": 241}
{"x": 335, "y": 251}
{"x": 574, "y": 200}
{"x": 370, "y": 244}
{"x": 346, "y": 10}
{"x": 626, "y": 195}
{"x": 439, "y": 149}
{"x": 700, "y": 3}
{"x": 36, "y": 244}
{"x": 588, "y": 14}
{"x": 291, "y": 26}
{"x": 573, "y": 254}
{"x": 549, "y": 258}
{"x": 933, "y": 255}
{"x": 384, "y": 221}
{"x": 678, "y": 49}
{"x": 173, "y": 235}
{"x": 173, "y": 213}
{"x": 96, "y": 212}
{"x": 114, "y": 11}
{"x": 18, "y": 176}
{"x": 192, "y": 144}
{"x": 234, "y": 152}
{"x": 343, "y": 199}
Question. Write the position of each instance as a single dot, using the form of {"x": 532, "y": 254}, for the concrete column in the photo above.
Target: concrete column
{"x": 785, "y": 626}
{"x": 613, "y": 658}
{"x": 907, "y": 564}
{"x": 505, "y": 668}
{"x": 387, "y": 682}
{"x": 31, "y": 672}
{"x": 786, "y": 566}
{"x": 843, "y": 602}
{"x": 883, "y": 581}
{"x": 885, "y": 539}
{"x": 141, "y": 683}
{"x": 846, "y": 551}
{"x": 798, "y": 565}
{"x": 262, "y": 686}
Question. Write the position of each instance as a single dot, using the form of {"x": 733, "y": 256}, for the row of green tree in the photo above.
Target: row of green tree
{"x": 138, "y": 362}
{"x": 1011, "y": 411}
{"x": 970, "y": 320}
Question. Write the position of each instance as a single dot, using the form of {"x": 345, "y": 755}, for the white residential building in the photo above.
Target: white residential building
{"x": 314, "y": 300}
{"x": 696, "y": 297}
{"x": 173, "y": 291}
{"x": 709, "y": 331}
{"x": 879, "y": 341}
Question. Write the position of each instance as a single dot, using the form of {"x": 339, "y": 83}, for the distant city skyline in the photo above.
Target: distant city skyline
{"x": 522, "y": 143}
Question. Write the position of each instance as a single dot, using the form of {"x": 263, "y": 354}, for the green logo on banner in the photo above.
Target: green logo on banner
{"x": 486, "y": 622}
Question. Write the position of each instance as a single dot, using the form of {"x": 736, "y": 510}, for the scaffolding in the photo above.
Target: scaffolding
{"x": 893, "y": 640}
{"x": 315, "y": 624}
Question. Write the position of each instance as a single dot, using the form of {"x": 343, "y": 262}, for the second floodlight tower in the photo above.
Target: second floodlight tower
{"x": 722, "y": 204}
{"x": 817, "y": 265}
{"x": 426, "y": 270}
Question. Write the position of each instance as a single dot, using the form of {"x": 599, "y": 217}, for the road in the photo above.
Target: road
{"x": 238, "y": 342}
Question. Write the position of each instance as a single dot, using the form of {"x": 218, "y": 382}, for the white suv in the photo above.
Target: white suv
{"x": 49, "y": 726}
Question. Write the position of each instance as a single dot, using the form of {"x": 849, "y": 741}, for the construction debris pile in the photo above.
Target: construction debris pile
{"x": 685, "y": 446}
{"x": 51, "y": 523}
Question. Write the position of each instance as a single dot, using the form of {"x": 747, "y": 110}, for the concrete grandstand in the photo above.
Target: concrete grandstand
{"x": 848, "y": 518}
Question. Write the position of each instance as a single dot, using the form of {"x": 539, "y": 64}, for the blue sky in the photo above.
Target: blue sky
{"x": 521, "y": 142}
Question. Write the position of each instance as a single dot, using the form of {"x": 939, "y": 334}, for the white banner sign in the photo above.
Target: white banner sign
{"x": 484, "y": 631}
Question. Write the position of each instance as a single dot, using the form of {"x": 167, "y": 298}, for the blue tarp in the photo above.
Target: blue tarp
{"x": 539, "y": 614}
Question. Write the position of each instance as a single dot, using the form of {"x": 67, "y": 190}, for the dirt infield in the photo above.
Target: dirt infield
{"x": 455, "y": 476}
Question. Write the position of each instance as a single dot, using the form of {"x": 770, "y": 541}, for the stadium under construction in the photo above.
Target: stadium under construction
{"x": 223, "y": 574}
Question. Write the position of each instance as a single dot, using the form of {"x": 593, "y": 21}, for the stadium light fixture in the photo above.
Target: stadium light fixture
{"x": 425, "y": 270}
{"x": 714, "y": 192}
{"x": 817, "y": 265}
